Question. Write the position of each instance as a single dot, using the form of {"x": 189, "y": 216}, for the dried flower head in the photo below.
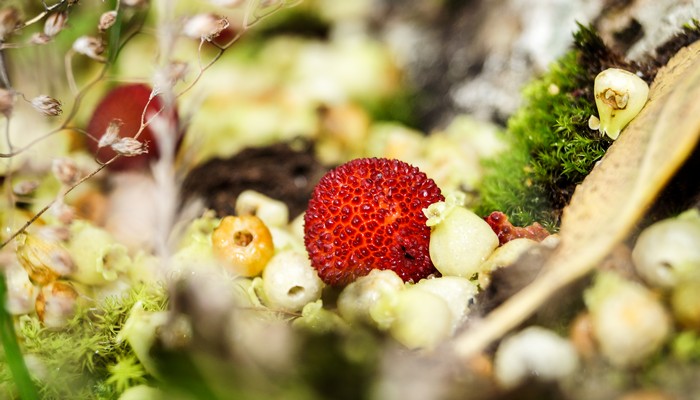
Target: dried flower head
{"x": 55, "y": 23}
{"x": 129, "y": 147}
{"x": 171, "y": 74}
{"x": 205, "y": 26}
{"x": 25, "y": 188}
{"x": 111, "y": 134}
{"x": 39, "y": 38}
{"x": 43, "y": 259}
{"x": 9, "y": 21}
{"x": 7, "y": 100}
{"x": 56, "y": 304}
{"x": 64, "y": 213}
{"x": 66, "y": 171}
{"x": 90, "y": 46}
{"x": 47, "y": 105}
{"x": 107, "y": 20}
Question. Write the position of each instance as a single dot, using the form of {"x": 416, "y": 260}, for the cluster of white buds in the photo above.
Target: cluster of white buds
{"x": 107, "y": 19}
{"x": 129, "y": 147}
{"x": 205, "y": 26}
{"x": 90, "y": 46}
{"x": 47, "y": 105}
{"x": 55, "y": 23}
{"x": 7, "y": 100}
{"x": 9, "y": 21}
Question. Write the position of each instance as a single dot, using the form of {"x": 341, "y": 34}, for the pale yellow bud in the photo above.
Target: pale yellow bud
{"x": 619, "y": 96}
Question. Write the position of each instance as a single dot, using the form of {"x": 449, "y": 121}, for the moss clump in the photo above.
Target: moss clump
{"x": 84, "y": 360}
{"x": 551, "y": 147}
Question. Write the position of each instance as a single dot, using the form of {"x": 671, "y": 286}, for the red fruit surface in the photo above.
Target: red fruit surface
{"x": 368, "y": 214}
{"x": 126, "y": 103}
{"x": 506, "y": 231}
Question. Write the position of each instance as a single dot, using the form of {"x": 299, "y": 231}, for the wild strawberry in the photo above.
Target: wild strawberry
{"x": 123, "y": 107}
{"x": 367, "y": 214}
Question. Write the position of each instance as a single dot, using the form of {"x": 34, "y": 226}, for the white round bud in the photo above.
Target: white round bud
{"x": 290, "y": 282}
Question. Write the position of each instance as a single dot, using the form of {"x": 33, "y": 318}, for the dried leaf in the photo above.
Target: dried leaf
{"x": 614, "y": 196}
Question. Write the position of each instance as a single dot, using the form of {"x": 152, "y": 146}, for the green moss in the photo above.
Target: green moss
{"x": 551, "y": 147}
{"x": 80, "y": 361}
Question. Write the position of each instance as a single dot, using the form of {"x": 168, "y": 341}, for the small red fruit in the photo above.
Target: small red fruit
{"x": 126, "y": 103}
{"x": 368, "y": 214}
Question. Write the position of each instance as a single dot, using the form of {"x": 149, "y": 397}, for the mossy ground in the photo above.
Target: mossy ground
{"x": 551, "y": 146}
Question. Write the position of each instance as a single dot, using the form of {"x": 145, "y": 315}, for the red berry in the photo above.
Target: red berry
{"x": 368, "y": 214}
{"x": 126, "y": 103}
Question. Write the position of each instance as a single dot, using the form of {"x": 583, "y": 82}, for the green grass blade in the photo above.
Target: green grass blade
{"x": 25, "y": 386}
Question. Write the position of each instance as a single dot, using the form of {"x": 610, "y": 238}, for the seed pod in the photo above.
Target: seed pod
{"x": 243, "y": 243}
{"x": 619, "y": 96}
{"x": 56, "y": 304}
{"x": 44, "y": 260}
{"x": 55, "y": 23}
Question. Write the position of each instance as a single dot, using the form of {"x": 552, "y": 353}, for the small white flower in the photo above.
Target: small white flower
{"x": 47, "y": 105}
{"x": 205, "y": 26}
{"x": 129, "y": 147}
{"x": 90, "y": 46}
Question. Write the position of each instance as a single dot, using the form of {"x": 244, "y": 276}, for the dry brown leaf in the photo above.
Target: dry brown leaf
{"x": 613, "y": 197}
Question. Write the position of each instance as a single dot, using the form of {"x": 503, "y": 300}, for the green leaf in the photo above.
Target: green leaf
{"x": 25, "y": 386}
